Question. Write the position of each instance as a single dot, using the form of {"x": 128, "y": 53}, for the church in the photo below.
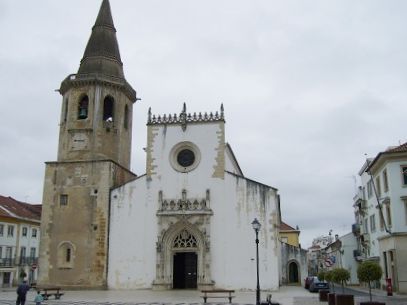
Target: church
{"x": 186, "y": 223}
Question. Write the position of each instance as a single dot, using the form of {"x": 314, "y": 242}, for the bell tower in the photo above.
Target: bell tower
{"x": 93, "y": 156}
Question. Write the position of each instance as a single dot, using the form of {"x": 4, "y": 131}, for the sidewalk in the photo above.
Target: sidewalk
{"x": 286, "y": 295}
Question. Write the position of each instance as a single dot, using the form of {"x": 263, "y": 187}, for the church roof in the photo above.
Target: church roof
{"x": 102, "y": 54}
{"x": 12, "y": 208}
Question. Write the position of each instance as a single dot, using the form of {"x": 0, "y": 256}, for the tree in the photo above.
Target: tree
{"x": 340, "y": 276}
{"x": 23, "y": 274}
{"x": 369, "y": 272}
{"x": 329, "y": 279}
{"x": 321, "y": 275}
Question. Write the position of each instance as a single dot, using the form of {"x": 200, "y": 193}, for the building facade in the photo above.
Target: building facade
{"x": 381, "y": 214}
{"x": 19, "y": 241}
{"x": 185, "y": 223}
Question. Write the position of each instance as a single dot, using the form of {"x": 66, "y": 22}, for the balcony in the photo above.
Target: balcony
{"x": 357, "y": 253}
{"x": 356, "y": 229}
{"x": 18, "y": 261}
{"x": 364, "y": 238}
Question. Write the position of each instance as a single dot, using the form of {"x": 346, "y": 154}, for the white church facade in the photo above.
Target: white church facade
{"x": 184, "y": 223}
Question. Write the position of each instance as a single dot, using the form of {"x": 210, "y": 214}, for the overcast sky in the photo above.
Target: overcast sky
{"x": 308, "y": 87}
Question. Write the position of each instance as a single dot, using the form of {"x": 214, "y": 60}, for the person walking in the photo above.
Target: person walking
{"x": 38, "y": 298}
{"x": 22, "y": 293}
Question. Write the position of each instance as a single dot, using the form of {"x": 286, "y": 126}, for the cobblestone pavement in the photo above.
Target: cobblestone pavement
{"x": 287, "y": 295}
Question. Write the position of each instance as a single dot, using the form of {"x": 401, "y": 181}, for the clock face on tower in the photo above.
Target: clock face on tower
{"x": 185, "y": 157}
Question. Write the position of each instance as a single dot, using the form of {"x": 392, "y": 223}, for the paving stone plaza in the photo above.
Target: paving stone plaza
{"x": 287, "y": 295}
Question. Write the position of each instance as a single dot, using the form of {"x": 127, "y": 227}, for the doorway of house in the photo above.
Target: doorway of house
{"x": 185, "y": 270}
{"x": 293, "y": 273}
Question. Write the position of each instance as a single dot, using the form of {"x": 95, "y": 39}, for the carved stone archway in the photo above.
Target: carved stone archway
{"x": 175, "y": 218}
{"x": 182, "y": 236}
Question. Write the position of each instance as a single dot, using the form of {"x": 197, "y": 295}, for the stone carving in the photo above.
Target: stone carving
{"x": 184, "y": 204}
{"x": 185, "y": 117}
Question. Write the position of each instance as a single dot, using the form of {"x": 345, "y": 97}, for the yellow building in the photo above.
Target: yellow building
{"x": 289, "y": 235}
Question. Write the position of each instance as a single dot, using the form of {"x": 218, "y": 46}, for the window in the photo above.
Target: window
{"x": 63, "y": 199}
{"x": 24, "y": 233}
{"x": 9, "y": 252}
{"x": 22, "y": 254}
{"x": 405, "y": 208}
{"x": 381, "y": 220}
{"x": 365, "y": 226}
{"x": 404, "y": 174}
{"x": 66, "y": 255}
{"x": 369, "y": 188}
{"x": 1, "y": 229}
{"x": 65, "y": 110}
{"x": 32, "y": 252}
{"x": 185, "y": 240}
{"x": 83, "y": 108}
{"x": 10, "y": 231}
{"x": 378, "y": 187}
{"x": 108, "y": 107}
{"x": 34, "y": 233}
{"x": 126, "y": 117}
{"x": 284, "y": 240}
{"x": 385, "y": 182}
{"x": 388, "y": 214}
{"x": 372, "y": 223}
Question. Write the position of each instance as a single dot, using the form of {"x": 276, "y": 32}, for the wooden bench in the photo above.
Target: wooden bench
{"x": 46, "y": 292}
{"x": 218, "y": 293}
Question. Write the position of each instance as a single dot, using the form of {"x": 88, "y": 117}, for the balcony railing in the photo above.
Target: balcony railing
{"x": 18, "y": 261}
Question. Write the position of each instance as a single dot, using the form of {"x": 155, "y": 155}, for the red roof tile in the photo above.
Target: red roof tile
{"x": 9, "y": 207}
{"x": 286, "y": 227}
{"x": 401, "y": 148}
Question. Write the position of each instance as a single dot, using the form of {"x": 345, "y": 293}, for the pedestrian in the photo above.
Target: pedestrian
{"x": 38, "y": 298}
{"x": 22, "y": 293}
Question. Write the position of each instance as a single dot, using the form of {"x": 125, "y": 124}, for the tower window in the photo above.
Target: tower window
{"x": 83, "y": 108}
{"x": 63, "y": 199}
{"x": 108, "y": 107}
{"x": 66, "y": 110}
{"x": 126, "y": 117}
{"x": 66, "y": 255}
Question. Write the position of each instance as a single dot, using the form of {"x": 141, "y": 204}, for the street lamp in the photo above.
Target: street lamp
{"x": 256, "y": 227}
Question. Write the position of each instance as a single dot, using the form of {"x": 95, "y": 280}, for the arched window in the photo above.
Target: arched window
{"x": 65, "y": 115}
{"x": 126, "y": 117}
{"x": 108, "y": 109}
{"x": 83, "y": 108}
{"x": 185, "y": 240}
{"x": 66, "y": 255}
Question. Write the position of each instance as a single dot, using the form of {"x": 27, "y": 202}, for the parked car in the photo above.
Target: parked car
{"x": 307, "y": 281}
{"x": 315, "y": 284}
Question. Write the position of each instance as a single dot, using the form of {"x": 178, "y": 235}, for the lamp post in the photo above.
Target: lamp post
{"x": 256, "y": 227}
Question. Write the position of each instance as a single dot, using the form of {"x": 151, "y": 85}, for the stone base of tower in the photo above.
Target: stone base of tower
{"x": 75, "y": 220}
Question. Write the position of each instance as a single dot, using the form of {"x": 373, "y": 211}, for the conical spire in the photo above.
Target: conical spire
{"x": 102, "y": 54}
